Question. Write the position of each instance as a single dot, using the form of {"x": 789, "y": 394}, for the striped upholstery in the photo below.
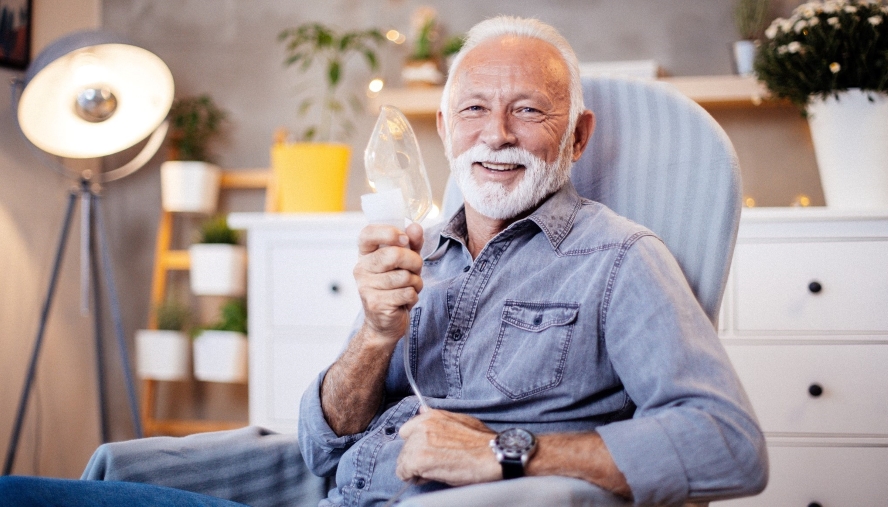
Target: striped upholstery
{"x": 658, "y": 158}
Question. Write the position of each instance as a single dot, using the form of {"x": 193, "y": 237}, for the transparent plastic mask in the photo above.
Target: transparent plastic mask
{"x": 393, "y": 163}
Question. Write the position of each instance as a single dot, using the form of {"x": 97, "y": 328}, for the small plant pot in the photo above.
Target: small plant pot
{"x": 189, "y": 187}
{"x": 218, "y": 270}
{"x": 163, "y": 355}
{"x": 220, "y": 356}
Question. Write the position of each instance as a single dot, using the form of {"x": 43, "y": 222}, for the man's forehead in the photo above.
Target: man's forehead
{"x": 513, "y": 59}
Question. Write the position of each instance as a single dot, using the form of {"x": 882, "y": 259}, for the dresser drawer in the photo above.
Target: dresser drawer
{"x": 780, "y": 379}
{"x": 313, "y": 285}
{"x": 776, "y": 286}
{"x": 823, "y": 475}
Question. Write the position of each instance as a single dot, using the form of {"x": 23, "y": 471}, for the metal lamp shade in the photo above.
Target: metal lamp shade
{"x": 129, "y": 89}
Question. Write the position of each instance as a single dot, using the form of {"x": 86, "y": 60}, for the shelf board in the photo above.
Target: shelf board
{"x": 708, "y": 91}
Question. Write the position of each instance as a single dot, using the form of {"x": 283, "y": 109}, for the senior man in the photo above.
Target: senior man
{"x": 548, "y": 335}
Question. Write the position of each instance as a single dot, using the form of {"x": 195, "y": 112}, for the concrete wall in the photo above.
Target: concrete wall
{"x": 229, "y": 49}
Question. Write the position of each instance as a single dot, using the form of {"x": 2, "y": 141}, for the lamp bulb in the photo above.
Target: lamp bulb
{"x": 95, "y": 104}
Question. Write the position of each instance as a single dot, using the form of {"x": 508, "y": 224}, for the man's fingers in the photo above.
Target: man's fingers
{"x": 389, "y": 259}
{"x": 375, "y": 236}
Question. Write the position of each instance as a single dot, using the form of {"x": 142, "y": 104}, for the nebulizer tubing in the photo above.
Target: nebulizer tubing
{"x": 396, "y": 173}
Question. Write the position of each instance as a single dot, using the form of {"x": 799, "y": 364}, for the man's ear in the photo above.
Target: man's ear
{"x": 582, "y": 133}
{"x": 439, "y": 122}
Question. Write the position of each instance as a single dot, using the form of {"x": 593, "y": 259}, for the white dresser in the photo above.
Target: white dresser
{"x": 302, "y": 302}
{"x": 805, "y": 322}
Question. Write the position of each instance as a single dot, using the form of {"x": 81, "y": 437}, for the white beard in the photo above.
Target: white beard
{"x": 494, "y": 200}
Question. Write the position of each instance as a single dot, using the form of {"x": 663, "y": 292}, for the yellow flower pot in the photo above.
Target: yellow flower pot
{"x": 310, "y": 177}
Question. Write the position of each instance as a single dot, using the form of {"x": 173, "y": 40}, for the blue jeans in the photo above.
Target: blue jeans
{"x": 21, "y": 491}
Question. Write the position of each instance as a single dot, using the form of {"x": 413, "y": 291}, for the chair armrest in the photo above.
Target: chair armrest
{"x": 524, "y": 492}
{"x": 248, "y": 465}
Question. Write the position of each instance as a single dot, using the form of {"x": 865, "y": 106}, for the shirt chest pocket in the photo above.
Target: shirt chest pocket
{"x": 532, "y": 347}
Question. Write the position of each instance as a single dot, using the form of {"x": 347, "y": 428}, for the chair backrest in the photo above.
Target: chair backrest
{"x": 659, "y": 159}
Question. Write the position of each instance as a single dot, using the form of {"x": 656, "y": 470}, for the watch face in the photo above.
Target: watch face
{"x": 515, "y": 442}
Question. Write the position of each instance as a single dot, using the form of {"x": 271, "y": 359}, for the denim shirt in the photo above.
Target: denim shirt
{"x": 572, "y": 319}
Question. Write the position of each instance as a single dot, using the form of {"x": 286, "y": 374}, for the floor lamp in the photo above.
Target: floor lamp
{"x": 86, "y": 96}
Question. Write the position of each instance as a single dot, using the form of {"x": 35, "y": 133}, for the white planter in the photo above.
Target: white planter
{"x": 851, "y": 144}
{"x": 218, "y": 269}
{"x": 743, "y": 57}
{"x": 163, "y": 355}
{"x": 220, "y": 356}
{"x": 189, "y": 187}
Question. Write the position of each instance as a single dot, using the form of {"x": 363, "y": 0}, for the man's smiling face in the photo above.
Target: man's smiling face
{"x": 507, "y": 134}
{"x": 510, "y": 92}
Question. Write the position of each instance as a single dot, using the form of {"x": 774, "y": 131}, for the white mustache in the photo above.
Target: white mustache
{"x": 482, "y": 153}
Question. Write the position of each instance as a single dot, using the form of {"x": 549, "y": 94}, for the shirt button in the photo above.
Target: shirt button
{"x": 360, "y": 484}
{"x": 537, "y": 320}
{"x": 389, "y": 430}
{"x": 457, "y": 335}
{"x": 466, "y": 269}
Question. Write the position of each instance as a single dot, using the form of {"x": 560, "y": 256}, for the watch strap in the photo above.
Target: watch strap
{"x": 512, "y": 468}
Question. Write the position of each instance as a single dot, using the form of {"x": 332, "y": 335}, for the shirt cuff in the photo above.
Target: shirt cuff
{"x": 643, "y": 451}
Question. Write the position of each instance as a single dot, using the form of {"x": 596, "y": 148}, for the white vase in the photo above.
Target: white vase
{"x": 743, "y": 57}
{"x": 189, "y": 187}
{"x": 162, "y": 355}
{"x": 851, "y": 145}
{"x": 218, "y": 269}
{"x": 220, "y": 356}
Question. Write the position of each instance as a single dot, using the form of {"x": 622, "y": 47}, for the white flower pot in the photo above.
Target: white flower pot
{"x": 163, "y": 355}
{"x": 218, "y": 269}
{"x": 220, "y": 356}
{"x": 743, "y": 57}
{"x": 189, "y": 187}
{"x": 851, "y": 144}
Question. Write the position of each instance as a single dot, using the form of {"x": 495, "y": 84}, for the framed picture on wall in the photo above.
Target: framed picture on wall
{"x": 15, "y": 33}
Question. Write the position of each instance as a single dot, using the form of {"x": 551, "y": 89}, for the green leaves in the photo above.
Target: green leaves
{"x": 194, "y": 122}
{"x": 313, "y": 43}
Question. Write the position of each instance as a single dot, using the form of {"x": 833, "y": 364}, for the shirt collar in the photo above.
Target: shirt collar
{"x": 554, "y": 217}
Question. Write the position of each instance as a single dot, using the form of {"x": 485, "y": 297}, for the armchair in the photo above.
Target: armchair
{"x": 656, "y": 157}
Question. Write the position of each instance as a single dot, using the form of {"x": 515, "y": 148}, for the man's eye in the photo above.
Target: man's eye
{"x": 529, "y": 110}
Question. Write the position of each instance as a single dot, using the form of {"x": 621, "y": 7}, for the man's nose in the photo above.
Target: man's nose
{"x": 497, "y": 132}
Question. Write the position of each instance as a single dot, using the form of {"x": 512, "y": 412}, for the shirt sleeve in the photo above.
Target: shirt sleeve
{"x": 694, "y": 434}
{"x": 320, "y": 445}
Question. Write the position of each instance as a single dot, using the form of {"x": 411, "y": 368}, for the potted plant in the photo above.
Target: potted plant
{"x": 310, "y": 174}
{"x": 189, "y": 181}
{"x": 218, "y": 262}
{"x": 750, "y": 18}
{"x": 164, "y": 353}
{"x": 423, "y": 66}
{"x": 220, "y": 351}
{"x": 831, "y": 60}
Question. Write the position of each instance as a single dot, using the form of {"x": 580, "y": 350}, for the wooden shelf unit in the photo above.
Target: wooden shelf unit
{"x": 165, "y": 260}
{"x": 709, "y": 91}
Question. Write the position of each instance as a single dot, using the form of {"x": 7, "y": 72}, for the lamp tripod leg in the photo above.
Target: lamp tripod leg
{"x": 115, "y": 316}
{"x": 38, "y": 341}
{"x": 98, "y": 330}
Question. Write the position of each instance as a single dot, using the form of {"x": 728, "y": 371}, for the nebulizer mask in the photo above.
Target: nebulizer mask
{"x": 402, "y": 191}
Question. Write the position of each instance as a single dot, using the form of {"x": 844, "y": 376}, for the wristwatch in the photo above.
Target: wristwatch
{"x": 513, "y": 448}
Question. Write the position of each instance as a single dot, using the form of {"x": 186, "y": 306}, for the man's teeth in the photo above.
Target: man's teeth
{"x": 499, "y": 167}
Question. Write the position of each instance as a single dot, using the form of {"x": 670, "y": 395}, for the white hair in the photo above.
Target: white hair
{"x": 510, "y": 26}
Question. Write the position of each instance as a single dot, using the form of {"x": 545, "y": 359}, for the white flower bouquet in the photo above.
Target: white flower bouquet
{"x": 826, "y": 47}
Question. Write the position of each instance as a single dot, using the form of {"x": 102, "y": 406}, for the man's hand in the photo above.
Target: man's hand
{"x": 388, "y": 278}
{"x": 447, "y": 447}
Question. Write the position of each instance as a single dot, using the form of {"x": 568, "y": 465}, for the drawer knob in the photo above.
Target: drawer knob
{"x": 815, "y": 287}
{"x": 334, "y": 288}
{"x": 815, "y": 390}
